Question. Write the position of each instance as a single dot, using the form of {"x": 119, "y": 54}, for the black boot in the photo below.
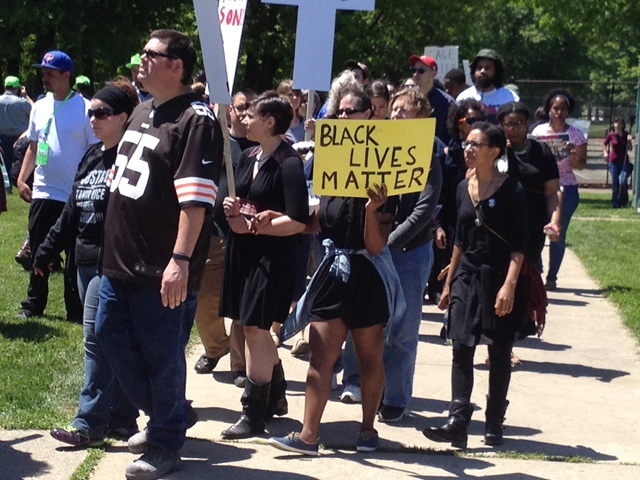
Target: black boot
{"x": 455, "y": 430}
{"x": 254, "y": 403}
{"x": 277, "y": 401}
{"x": 496, "y": 409}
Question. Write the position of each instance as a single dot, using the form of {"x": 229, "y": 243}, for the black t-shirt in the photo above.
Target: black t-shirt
{"x": 504, "y": 212}
{"x": 342, "y": 219}
{"x": 533, "y": 166}
{"x": 168, "y": 159}
{"x": 244, "y": 142}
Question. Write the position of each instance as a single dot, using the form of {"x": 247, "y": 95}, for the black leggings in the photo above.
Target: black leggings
{"x": 462, "y": 371}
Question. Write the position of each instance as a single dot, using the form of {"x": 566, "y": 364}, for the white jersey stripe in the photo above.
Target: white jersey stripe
{"x": 196, "y": 189}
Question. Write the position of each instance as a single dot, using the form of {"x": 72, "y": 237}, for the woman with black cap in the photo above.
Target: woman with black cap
{"x": 102, "y": 408}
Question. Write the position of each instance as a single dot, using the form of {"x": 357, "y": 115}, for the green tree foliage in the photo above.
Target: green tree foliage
{"x": 596, "y": 40}
{"x": 100, "y": 36}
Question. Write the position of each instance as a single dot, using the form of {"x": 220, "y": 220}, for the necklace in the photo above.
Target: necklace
{"x": 487, "y": 190}
{"x": 476, "y": 200}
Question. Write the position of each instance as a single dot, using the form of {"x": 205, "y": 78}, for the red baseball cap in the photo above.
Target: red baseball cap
{"x": 426, "y": 59}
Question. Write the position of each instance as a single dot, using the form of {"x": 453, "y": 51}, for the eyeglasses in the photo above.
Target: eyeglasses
{"x": 469, "y": 120}
{"x": 517, "y": 124}
{"x": 152, "y": 54}
{"x": 349, "y": 111}
{"x": 473, "y": 144}
{"x": 101, "y": 113}
{"x": 417, "y": 70}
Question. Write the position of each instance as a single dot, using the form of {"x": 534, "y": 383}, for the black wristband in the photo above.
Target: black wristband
{"x": 180, "y": 256}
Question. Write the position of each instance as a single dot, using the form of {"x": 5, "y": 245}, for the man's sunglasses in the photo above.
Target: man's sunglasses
{"x": 101, "y": 113}
{"x": 349, "y": 111}
{"x": 417, "y": 70}
{"x": 152, "y": 54}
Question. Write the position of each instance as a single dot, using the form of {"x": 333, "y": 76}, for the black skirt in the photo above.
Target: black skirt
{"x": 361, "y": 302}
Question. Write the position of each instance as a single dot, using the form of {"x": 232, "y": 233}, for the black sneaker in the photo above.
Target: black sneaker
{"x": 391, "y": 414}
{"x": 207, "y": 364}
{"x": 24, "y": 314}
{"x": 239, "y": 379}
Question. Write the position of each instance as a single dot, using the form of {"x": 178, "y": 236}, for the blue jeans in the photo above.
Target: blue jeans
{"x": 401, "y": 338}
{"x": 102, "y": 402}
{"x": 570, "y": 200}
{"x": 619, "y": 188}
{"x": 145, "y": 343}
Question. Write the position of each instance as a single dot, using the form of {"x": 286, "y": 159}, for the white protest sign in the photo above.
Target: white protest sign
{"x": 232, "y": 14}
{"x": 446, "y": 58}
{"x": 212, "y": 50}
{"x": 314, "y": 38}
{"x": 467, "y": 72}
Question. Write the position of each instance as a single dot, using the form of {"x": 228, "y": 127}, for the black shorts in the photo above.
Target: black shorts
{"x": 360, "y": 303}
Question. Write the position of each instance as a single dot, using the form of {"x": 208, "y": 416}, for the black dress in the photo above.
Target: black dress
{"x": 533, "y": 166}
{"x": 259, "y": 273}
{"x": 484, "y": 265}
{"x": 360, "y": 302}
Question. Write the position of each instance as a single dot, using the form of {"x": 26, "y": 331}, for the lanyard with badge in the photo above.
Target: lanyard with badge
{"x": 42, "y": 154}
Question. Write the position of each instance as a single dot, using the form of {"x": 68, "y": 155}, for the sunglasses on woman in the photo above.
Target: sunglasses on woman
{"x": 469, "y": 120}
{"x": 349, "y": 111}
{"x": 101, "y": 113}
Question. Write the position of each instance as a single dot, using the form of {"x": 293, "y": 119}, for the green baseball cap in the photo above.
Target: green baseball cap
{"x": 12, "y": 82}
{"x": 135, "y": 61}
{"x": 82, "y": 80}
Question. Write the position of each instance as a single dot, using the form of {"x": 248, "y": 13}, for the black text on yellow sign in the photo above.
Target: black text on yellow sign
{"x": 351, "y": 155}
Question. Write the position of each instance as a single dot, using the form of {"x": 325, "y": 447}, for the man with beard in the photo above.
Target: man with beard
{"x": 488, "y": 72}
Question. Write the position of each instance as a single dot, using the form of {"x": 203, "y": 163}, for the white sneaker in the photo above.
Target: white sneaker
{"x": 351, "y": 394}
{"x": 334, "y": 382}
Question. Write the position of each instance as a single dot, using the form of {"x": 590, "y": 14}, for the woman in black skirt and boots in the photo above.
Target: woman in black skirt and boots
{"x": 486, "y": 303}
{"x": 270, "y": 208}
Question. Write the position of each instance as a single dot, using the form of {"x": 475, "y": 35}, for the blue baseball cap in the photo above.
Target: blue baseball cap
{"x": 56, "y": 59}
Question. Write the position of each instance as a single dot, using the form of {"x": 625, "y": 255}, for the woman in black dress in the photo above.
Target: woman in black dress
{"x": 270, "y": 208}
{"x": 481, "y": 291}
{"x": 349, "y": 292}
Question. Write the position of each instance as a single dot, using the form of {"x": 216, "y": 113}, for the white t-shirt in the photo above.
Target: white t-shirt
{"x": 69, "y": 137}
{"x": 492, "y": 100}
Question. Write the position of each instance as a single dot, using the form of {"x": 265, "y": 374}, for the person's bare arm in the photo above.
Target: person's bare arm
{"x": 174, "y": 278}
{"x": 377, "y": 226}
{"x": 456, "y": 255}
{"x": 28, "y": 166}
{"x": 579, "y": 156}
{"x": 506, "y": 294}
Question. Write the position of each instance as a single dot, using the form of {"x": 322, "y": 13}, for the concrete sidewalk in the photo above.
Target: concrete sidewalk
{"x": 574, "y": 395}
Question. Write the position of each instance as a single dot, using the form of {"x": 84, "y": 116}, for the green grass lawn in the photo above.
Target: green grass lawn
{"x": 40, "y": 358}
{"x": 607, "y": 241}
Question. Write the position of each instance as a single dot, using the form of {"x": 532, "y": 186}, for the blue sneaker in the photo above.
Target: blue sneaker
{"x": 293, "y": 443}
{"x": 368, "y": 441}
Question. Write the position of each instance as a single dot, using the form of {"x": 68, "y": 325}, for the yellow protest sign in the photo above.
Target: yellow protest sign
{"x": 351, "y": 155}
